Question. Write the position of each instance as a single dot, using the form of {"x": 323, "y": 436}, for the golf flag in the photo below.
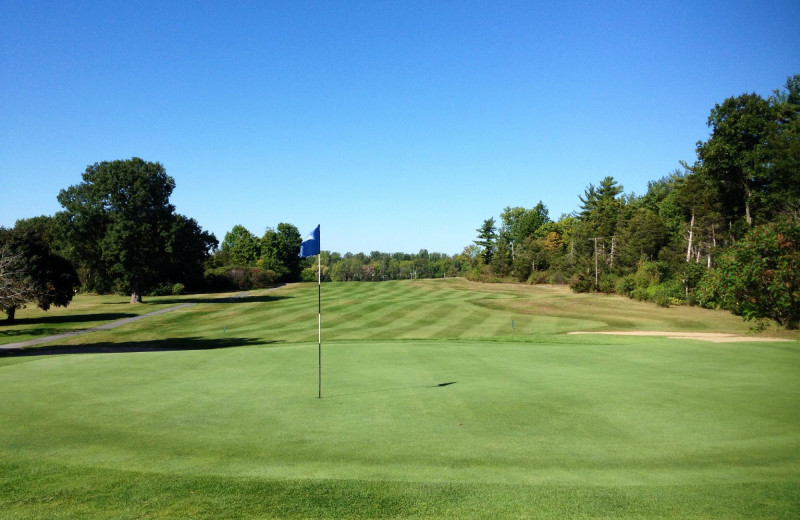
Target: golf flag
{"x": 310, "y": 246}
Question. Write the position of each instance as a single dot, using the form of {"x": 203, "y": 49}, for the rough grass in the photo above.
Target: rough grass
{"x": 434, "y": 407}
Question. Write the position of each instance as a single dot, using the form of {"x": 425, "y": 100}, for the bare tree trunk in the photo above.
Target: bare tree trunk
{"x": 613, "y": 243}
{"x": 713, "y": 245}
{"x": 747, "y": 215}
{"x": 136, "y": 296}
{"x": 691, "y": 231}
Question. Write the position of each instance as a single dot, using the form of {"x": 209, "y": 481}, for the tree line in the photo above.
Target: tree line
{"x": 722, "y": 232}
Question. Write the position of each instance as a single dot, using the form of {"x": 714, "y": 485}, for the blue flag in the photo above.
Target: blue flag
{"x": 310, "y": 246}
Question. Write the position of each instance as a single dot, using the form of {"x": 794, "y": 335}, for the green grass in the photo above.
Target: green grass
{"x": 434, "y": 407}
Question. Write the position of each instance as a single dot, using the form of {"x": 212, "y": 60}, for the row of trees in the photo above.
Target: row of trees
{"x": 246, "y": 261}
{"x": 686, "y": 238}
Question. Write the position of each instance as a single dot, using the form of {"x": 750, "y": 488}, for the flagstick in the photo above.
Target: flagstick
{"x": 319, "y": 321}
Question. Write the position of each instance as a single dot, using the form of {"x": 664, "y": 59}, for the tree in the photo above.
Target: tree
{"x": 31, "y": 272}
{"x": 520, "y": 223}
{"x": 740, "y": 155}
{"x": 188, "y": 246}
{"x": 601, "y": 206}
{"x": 120, "y": 224}
{"x": 695, "y": 193}
{"x": 487, "y": 237}
{"x": 759, "y": 276}
{"x": 279, "y": 252}
{"x": 242, "y": 247}
{"x": 15, "y": 287}
{"x": 785, "y": 149}
{"x": 642, "y": 236}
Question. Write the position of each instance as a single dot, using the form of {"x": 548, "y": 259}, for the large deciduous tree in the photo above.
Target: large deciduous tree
{"x": 753, "y": 153}
{"x": 121, "y": 226}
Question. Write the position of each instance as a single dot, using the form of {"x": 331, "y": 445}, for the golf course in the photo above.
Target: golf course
{"x": 440, "y": 399}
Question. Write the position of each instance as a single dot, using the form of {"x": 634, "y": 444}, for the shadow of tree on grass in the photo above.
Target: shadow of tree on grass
{"x": 124, "y": 347}
{"x": 66, "y": 318}
{"x": 263, "y": 298}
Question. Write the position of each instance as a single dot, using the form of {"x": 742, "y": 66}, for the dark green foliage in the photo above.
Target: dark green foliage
{"x": 582, "y": 282}
{"x": 601, "y": 207}
{"x": 124, "y": 234}
{"x": 753, "y": 154}
{"x": 31, "y": 272}
{"x": 487, "y": 236}
{"x": 239, "y": 278}
{"x": 279, "y": 252}
{"x": 187, "y": 248}
{"x": 241, "y": 247}
{"x": 759, "y": 277}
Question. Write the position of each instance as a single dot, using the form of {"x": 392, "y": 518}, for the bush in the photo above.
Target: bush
{"x": 538, "y": 277}
{"x": 582, "y": 283}
{"x": 239, "y": 278}
{"x": 556, "y": 277}
{"x": 648, "y": 273}
{"x": 625, "y": 285}
{"x": 178, "y": 289}
{"x": 666, "y": 294}
{"x": 262, "y": 278}
{"x": 607, "y": 283}
{"x": 757, "y": 277}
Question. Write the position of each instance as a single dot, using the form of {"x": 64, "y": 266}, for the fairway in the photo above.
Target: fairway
{"x": 441, "y": 399}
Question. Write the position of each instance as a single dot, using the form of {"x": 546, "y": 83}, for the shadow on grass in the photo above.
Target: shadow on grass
{"x": 125, "y": 347}
{"x": 67, "y": 318}
{"x": 263, "y": 298}
{"x": 385, "y": 390}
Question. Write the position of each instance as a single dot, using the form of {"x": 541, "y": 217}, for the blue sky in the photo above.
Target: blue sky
{"x": 397, "y": 126}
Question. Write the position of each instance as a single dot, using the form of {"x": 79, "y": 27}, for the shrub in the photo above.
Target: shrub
{"x": 556, "y": 277}
{"x": 666, "y": 294}
{"x": 538, "y": 277}
{"x": 648, "y": 273}
{"x": 625, "y": 285}
{"x": 582, "y": 283}
{"x": 757, "y": 277}
{"x": 607, "y": 283}
{"x": 162, "y": 289}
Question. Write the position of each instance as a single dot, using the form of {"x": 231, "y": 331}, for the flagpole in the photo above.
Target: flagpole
{"x": 319, "y": 321}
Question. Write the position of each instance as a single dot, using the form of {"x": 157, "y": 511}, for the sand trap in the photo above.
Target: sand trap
{"x": 716, "y": 337}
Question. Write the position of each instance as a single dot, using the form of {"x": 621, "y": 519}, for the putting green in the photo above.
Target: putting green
{"x": 525, "y": 422}
{"x": 622, "y": 413}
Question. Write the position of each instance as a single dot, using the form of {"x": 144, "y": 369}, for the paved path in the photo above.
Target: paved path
{"x": 106, "y": 326}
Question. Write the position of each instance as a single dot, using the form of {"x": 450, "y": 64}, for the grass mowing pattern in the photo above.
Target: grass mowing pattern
{"x": 535, "y": 424}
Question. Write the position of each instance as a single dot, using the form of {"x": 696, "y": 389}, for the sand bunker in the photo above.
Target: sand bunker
{"x": 716, "y": 337}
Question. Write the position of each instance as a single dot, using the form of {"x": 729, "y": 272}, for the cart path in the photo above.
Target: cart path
{"x": 106, "y": 326}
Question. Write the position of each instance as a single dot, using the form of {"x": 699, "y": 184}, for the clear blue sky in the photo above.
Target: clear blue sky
{"x": 396, "y": 125}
